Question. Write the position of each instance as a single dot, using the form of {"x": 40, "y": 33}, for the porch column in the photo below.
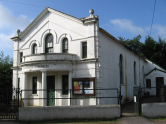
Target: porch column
{"x": 25, "y": 93}
{"x": 44, "y": 92}
{"x": 70, "y": 87}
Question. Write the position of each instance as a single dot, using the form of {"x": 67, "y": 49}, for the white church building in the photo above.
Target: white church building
{"x": 58, "y": 52}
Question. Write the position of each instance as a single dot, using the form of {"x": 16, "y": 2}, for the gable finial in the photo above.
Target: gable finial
{"x": 18, "y": 31}
{"x": 91, "y": 12}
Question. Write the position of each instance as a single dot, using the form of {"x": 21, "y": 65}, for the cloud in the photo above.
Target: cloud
{"x": 5, "y": 41}
{"x": 159, "y": 30}
{"x": 127, "y": 25}
{"x": 9, "y": 21}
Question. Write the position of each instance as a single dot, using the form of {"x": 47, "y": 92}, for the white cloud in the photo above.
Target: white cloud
{"x": 6, "y": 45}
{"x": 159, "y": 30}
{"x": 5, "y": 41}
{"x": 8, "y": 26}
{"x": 8, "y": 20}
{"x": 127, "y": 25}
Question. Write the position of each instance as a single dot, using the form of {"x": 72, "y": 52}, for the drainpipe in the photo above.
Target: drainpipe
{"x": 18, "y": 31}
{"x": 96, "y": 41}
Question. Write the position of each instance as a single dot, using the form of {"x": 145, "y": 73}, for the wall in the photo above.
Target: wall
{"x": 60, "y": 26}
{"x": 154, "y": 110}
{"x": 69, "y": 112}
{"x": 110, "y": 52}
{"x": 109, "y": 59}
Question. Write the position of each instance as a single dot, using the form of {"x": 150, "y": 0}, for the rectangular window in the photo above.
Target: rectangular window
{"x": 18, "y": 83}
{"x": 21, "y": 55}
{"x": 34, "y": 85}
{"x": 65, "y": 84}
{"x": 83, "y": 86}
{"x": 148, "y": 83}
{"x": 84, "y": 50}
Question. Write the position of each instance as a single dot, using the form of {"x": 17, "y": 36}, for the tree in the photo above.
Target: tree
{"x": 150, "y": 49}
{"x": 5, "y": 70}
{"x": 133, "y": 44}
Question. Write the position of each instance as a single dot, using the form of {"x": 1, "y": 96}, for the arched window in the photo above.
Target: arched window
{"x": 34, "y": 50}
{"x": 143, "y": 75}
{"x": 65, "y": 45}
{"x": 49, "y": 44}
{"x": 135, "y": 80}
{"x": 121, "y": 68}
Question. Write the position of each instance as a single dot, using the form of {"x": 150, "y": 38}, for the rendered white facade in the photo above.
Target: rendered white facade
{"x": 102, "y": 62}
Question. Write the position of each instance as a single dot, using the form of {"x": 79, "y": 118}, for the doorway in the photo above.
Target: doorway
{"x": 159, "y": 83}
{"x": 50, "y": 90}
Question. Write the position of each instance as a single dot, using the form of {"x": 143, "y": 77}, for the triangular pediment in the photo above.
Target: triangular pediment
{"x": 44, "y": 13}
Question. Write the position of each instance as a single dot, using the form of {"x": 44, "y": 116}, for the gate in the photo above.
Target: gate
{"x": 137, "y": 91}
{"x": 9, "y": 103}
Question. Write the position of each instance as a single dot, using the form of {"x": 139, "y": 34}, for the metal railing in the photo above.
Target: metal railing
{"x": 111, "y": 93}
{"x": 153, "y": 94}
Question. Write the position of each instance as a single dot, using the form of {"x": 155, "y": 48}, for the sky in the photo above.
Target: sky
{"x": 125, "y": 18}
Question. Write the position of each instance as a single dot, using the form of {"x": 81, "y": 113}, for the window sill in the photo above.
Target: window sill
{"x": 63, "y": 95}
{"x": 34, "y": 95}
{"x": 148, "y": 88}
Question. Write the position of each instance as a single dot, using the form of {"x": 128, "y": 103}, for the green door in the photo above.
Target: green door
{"x": 50, "y": 90}
{"x": 159, "y": 83}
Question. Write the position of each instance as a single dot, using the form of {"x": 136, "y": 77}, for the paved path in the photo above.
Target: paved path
{"x": 134, "y": 120}
{"x": 122, "y": 120}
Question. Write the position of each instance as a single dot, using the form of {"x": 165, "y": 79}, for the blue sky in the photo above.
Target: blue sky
{"x": 126, "y": 18}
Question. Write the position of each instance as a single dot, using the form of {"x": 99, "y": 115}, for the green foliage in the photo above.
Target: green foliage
{"x": 133, "y": 44}
{"x": 5, "y": 70}
{"x": 151, "y": 49}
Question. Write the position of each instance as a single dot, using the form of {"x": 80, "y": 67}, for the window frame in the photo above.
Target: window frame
{"x": 21, "y": 57}
{"x": 148, "y": 85}
{"x": 34, "y": 49}
{"x": 121, "y": 68}
{"x": 84, "y": 55}
{"x": 135, "y": 73}
{"x": 48, "y": 48}
{"x": 63, "y": 85}
{"x": 65, "y": 50}
{"x": 83, "y": 80}
{"x": 34, "y": 85}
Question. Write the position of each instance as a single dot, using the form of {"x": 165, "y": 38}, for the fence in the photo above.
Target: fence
{"x": 70, "y": 96}
{"x": 9, "y": 103}
{"x": 153, "y": 102}
{"x": 153, "y": 94}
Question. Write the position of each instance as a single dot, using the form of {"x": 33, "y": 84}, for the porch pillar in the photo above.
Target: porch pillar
{"x": 70, "y": 86}
{"x": 25, "y": 93}
{"x": 44, "y": 92}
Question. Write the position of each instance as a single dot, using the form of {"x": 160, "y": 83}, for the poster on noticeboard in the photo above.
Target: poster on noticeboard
{"x": 78, "y": 87}
{"x": 88, "y": 87}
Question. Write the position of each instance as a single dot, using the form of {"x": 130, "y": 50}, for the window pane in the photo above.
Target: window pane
{"x": 148, "y": 83}
{"x": 34, "y": 85}
{"x": 65, "y": 45}
{"x": 49, "y": 43}
{"x": 21, "y": 55}
{"x": 135, "y": 73}
{"x": 121, "y": 69}
{"x": 84, "y": 49}
{"x": 34, "y": 49}
{"x": 64, "y": 84}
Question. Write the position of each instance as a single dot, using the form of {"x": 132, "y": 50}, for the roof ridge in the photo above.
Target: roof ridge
{"x": 64, "y": 13}
{"x": 40, "y": 14}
